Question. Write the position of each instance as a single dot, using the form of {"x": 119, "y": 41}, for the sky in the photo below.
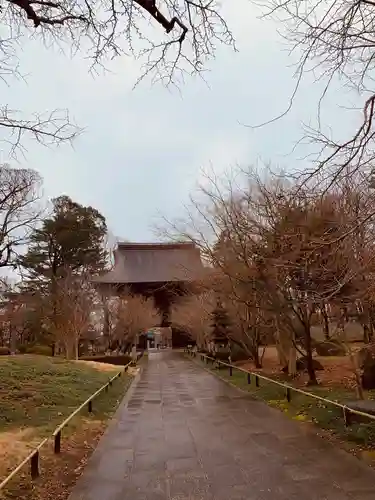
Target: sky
{"x": 143, "y": 150}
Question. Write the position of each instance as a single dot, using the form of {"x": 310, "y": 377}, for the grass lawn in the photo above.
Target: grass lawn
{"x": 359, "y": 438}
{"x": 37, "y": 393}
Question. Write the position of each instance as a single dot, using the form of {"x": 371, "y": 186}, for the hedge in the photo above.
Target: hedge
{"x": 119, "y": 359}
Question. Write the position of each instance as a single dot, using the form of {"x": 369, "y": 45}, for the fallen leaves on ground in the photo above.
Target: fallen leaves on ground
{"x": 338, "y": 370}
{"x": 59, "y": 473}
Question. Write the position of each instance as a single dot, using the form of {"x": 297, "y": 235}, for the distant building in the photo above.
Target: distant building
{"x": 163, "y": 271}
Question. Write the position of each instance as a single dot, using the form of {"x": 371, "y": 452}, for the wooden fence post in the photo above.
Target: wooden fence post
{"x": 288, "y": 394}
{"x": 347, "y": 416}
{"x": 57, "y": 445}
{"x": 34, "y": 465}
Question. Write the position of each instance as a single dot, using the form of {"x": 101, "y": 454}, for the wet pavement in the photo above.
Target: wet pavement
{"x": 186, "y": 435}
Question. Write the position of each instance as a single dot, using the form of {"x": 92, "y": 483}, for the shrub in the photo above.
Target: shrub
{"x": 222, "y": 356}
{"x": 4, "y": 351}
{"x": 330, "y": 348}
{"x": 366, "y": 355}
{"x": 302, "y": 365}
{"x": 238, "y": 354}
{"x": 204, "y": 351}
{"x": 43, "y": 350}
{"x": 118, "y": 360}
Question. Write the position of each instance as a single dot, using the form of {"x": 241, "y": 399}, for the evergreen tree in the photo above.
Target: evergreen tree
{"x": 220, "y": 323}
{"x": 71, "y": 238}
{"x": 69, "y": 242}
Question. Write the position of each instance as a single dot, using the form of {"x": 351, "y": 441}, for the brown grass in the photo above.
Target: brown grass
{"x": 15, "y": 446}
{"x": 101, "y": 367}
{"x": 59, "y": 473}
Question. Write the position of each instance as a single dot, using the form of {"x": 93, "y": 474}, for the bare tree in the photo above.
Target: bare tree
{"x": 19, "y": 191}
{"x": 194, "y": 314}
{"x": 251, "y": 324}
{"x": 109, "y": 310}
{"x": 133, "y": 315}
{"x": 68, "y": 313}
{"x": 15, "y": 309}
{"x": 282, "y": 254}
{"x": 335, "y": 41}
{"x": 20, "y": 318}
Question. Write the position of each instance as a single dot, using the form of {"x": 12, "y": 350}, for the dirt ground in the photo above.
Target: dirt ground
{"x": 338, "y": 370}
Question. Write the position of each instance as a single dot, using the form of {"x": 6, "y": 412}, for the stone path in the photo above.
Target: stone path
{"x": 185, "y": 435}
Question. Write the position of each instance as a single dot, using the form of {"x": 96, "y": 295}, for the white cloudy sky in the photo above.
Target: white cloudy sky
{"x": 143, "y": 150}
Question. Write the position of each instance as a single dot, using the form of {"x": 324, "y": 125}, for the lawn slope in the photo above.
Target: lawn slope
{"x": 38, "y": 392}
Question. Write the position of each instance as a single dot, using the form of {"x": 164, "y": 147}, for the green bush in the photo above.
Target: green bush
{"x": 203, "y": 351}
{"x": 118, "y": 360}
{"x": 43, "y": 350}
{"x": 222, "y": 355}
{"x": 238, "y": 354}
{"x": 4, "y": 351}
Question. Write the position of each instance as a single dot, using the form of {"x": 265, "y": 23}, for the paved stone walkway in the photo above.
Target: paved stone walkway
{"x": 185, "y": 435}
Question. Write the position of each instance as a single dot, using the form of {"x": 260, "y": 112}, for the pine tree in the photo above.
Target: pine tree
{"x": 69, "y": 242}
{"x": 220, "y": 323}
{"x": 71, "y": 238}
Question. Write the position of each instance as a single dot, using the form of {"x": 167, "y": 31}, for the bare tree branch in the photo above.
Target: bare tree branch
{"x": 112, "y": 27}
{"x": 47, "y": 129}
{"x": 336, "y": 42}
{"x": 18, "y": 215}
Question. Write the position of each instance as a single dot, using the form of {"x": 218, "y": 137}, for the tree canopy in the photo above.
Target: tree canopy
{"x": 72, "y": 238}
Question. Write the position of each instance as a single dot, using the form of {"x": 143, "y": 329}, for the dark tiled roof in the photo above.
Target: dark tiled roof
{"x": 154, "y": 263}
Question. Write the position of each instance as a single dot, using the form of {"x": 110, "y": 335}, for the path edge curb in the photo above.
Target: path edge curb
{"x": 124, "y": 402}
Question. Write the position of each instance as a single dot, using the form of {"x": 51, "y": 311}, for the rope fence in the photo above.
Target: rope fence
{"x": 347, "y": 412}
{"x": 33, "y": 459}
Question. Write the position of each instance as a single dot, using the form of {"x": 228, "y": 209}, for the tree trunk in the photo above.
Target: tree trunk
{"x": 107, "y": 324}
{"x": 282, "y": 358}
{"x": 309, "y": 357}
{"x": 345, "y": 314}
{"x": 325, "y": 323}
{"x": 353, "y": 361}
{"x": 67, "y": 350}
{"x": 366, "y": 333}
{"x": 54, "y": 303}
{"x": 256, "y": 358}
{"x": 357, "y": 376}
{"x": 282, "y": 348}
{"x": 13, "y": 339}
{"x": 356, "y": 370}
{"x": 292, "y": 362}
{"x": 371, "y": 321}
{"x": 370, "y": 330}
